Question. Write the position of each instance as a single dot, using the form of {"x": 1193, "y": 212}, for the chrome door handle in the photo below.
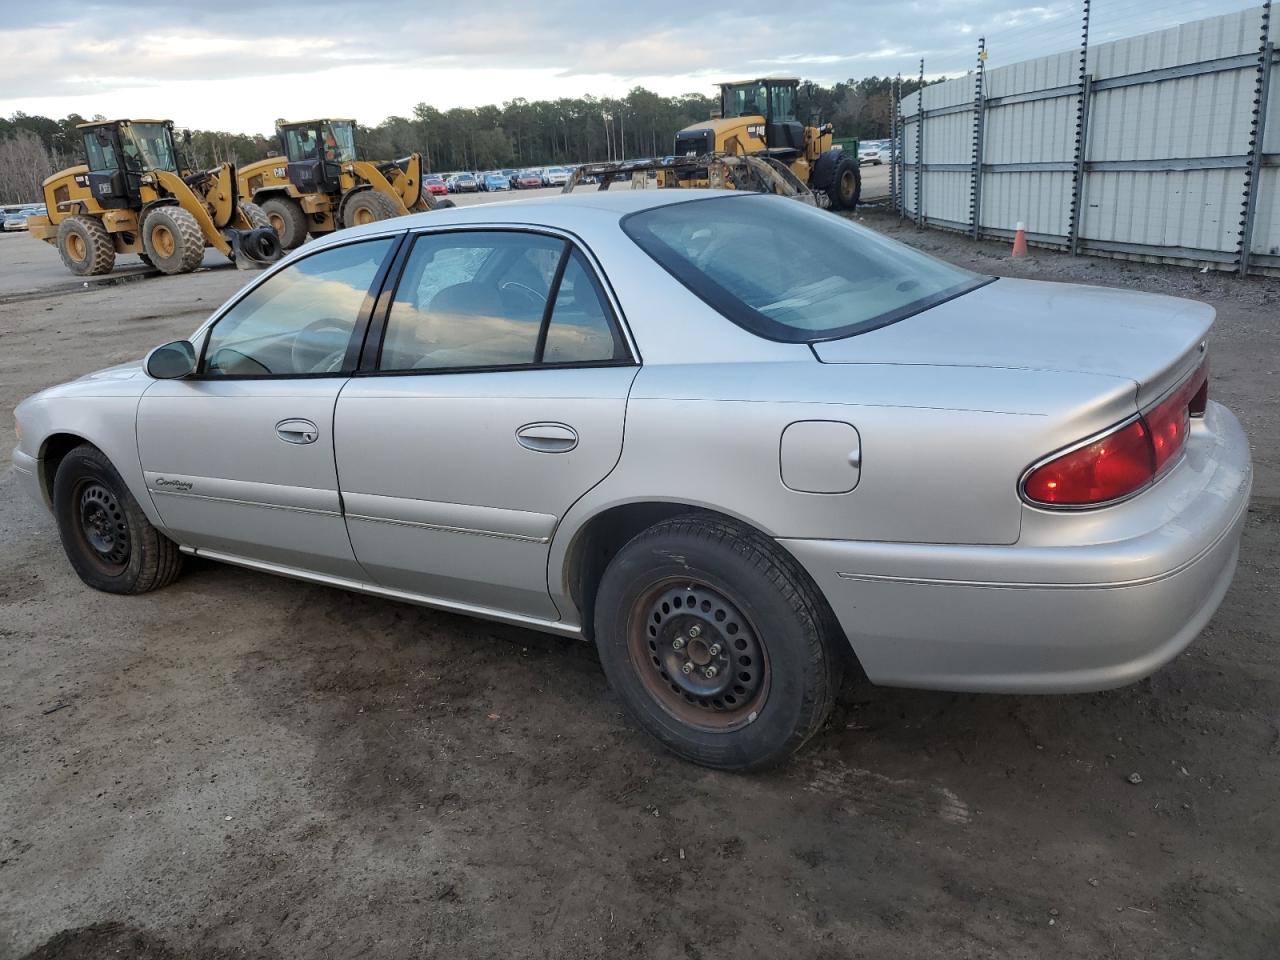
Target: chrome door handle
{"x": 297, "y": 431}
{"x": 547, "y": 437}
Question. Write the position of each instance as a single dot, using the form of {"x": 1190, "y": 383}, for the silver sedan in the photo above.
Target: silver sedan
{"x": 737, "y": 442}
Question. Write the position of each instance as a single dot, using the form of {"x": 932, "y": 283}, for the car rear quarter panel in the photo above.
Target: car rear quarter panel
{"x": 942, "y": 448}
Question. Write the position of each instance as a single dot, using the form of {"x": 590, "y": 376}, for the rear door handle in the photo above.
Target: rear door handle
{"x": 547, "y": 437}
{"x": 297, "y": 431}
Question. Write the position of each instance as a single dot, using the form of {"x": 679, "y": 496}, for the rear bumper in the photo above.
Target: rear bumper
{"x": 1082, "y": 602}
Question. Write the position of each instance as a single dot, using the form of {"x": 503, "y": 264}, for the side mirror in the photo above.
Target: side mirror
{"x": 173, "y": 361}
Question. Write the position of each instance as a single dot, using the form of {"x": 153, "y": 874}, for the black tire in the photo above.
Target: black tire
{"x": 146, "y": 261}
{"x": 743, "y": 595}
{"x": 255, "y": 216}
{"x": 172, "y": 239}
{"x": 368, "y": 206}
{"x": 108, "y": 539}
{"x": 85, "y": 246}
{"x": 286, "y": 215}
{"x": 445, "y": 204}
{"x": 846, "y": 185}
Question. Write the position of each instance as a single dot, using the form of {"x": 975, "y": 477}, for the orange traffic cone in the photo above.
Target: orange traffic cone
{"x": 1020, "y": 241}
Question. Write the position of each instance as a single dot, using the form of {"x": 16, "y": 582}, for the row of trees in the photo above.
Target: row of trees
{"x": 516, "y": 134}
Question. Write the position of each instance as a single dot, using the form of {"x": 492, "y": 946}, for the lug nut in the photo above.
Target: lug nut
{"x": 687, "y": 668}
{"x": 714, "y": 650}
{"x": 695, "y": 631}
{"x": 677, "y": 643}
{"x": 709, "y": 672}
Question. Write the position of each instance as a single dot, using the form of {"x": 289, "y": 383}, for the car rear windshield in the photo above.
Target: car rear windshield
{"x": 787, "y": 271}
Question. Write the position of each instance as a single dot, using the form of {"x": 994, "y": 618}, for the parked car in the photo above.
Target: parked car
{"x": 17, "y": 219}
{"x": 463, "y": 183}
{"x": 435, "y": 185}
{"x": 496, "y": 181}
{"x": 833, "y": 444}
{"x": 870, "y": 153}
{"x": 528, "y": 180}
{"x": 555, "y": 177}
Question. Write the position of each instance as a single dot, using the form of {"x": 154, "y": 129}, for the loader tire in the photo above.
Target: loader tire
{"x": 254, "y": 215}
{"x": 287, "y": 217}
{"x": 846, "y": 185}
{"x": 85, "y": 246}
{"x": 368, "y": 206}
{"x": 445, "y": 204}
{"x": 172, "y": 239}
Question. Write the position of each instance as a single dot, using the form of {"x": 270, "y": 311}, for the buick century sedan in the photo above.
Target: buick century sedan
{"x": 738, "y": 443}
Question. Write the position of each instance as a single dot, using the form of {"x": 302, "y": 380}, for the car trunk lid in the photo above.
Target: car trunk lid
{"x": 1155, "y": 341}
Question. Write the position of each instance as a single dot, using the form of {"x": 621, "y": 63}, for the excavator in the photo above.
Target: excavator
{"x": 133, "y": 195}
{"x": 756, "y": 143}
{"x": 319, "y": 183}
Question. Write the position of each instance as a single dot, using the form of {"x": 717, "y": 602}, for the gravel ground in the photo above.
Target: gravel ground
{"x": 243, "y": 766}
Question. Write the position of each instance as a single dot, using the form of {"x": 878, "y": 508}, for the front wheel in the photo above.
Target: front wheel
{"x": 171, "y": 237}
{"x": 716, "y": 643}
{"x": 368, "y": 206}
{"x": 846, "y": 185}
{"x": 108, "y": 539}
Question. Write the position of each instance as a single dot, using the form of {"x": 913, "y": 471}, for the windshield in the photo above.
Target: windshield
{"x": 341, "y": 141}
{"x": 791, "y": 272}
{"x": 745, "y": 100}
{"x": 148, "y": 146}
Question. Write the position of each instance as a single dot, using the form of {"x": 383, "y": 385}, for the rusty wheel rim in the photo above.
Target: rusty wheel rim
{"x": 277, "y": 222}
{"x": 364, "y": 215}
{"x": 698, "y": 655}
{"x": 162, "y": 241}
{"x": 77, "y": 247}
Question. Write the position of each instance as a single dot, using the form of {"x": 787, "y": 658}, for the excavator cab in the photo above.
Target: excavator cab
{"x": 315, "y": 151}
{"x": 119, "y": 152}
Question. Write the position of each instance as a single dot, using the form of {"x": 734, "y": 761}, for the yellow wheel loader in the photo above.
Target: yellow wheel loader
{"x": 319, "y": 184}
{"x": 755, "y": 144}
{"x": 132, "y": 196}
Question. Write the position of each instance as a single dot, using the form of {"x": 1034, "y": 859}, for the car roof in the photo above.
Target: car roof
{"x": 565, "y": 211}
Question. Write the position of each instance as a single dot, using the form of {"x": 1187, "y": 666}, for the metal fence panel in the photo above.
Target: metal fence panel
{"x": 1164, "y": 169}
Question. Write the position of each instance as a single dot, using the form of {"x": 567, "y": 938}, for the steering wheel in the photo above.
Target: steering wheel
{"x": 320, "y": 346}
{"x": 537, "y": 299}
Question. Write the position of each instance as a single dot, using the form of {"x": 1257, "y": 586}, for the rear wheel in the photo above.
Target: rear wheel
{"x": 108, "y": 539}
{"x": 85, "y": 246}
{"x": 846, "y": 185}
{"x": 368, "y": 206}
{"x": 716, "y": 643}
{"x": 289, "y": 220}
{"x": 172, "y": 239}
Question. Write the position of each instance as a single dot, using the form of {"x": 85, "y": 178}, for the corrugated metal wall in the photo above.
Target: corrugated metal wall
{"x": 1164, "y": 169}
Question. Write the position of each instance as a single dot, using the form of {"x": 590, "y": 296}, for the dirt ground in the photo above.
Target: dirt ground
{"x": 243, "y": 766}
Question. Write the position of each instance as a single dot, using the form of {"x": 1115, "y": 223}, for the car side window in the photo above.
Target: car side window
{"x": 471, "y": 299}
{"x": 580, "y": 330}
{"x": 300, "y": 320}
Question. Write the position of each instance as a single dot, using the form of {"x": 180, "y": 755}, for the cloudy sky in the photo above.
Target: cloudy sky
{"x": 238, "y": 66}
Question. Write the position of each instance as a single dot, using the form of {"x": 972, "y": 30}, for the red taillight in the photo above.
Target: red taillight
{"x": 1125, "y": 460}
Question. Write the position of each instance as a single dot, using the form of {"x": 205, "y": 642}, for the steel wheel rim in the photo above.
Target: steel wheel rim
{"x": 102, "y": 526}
{"x": 76, "y": 247}
{"x": 162, "y": 240}
{"x": 364, "y": 215}
{"x": 277, "y": 222}
{"x": 676, "y": 630}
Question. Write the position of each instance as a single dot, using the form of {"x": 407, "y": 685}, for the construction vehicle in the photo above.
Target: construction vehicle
{"x": 319, "y": 184}
{"x": 133, "y": 195}
{"x": 756, "y": 143}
